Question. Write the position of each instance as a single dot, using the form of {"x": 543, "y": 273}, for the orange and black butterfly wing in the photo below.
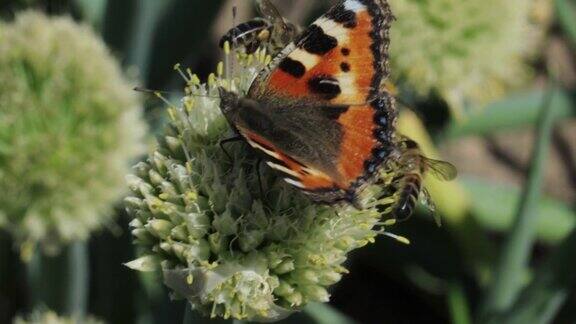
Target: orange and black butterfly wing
{"x": 323, "y": 92}
{"x": 342, "y": 58}
{"x": 305, "y": 143}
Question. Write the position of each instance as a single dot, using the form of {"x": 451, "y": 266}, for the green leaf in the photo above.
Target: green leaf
{"x": 541, "y": 300}
{"x": 517, "y": 111}
{"x": 494, "y": 204}
{"x": 514, "y": 257}
{"x": 92, "y": 11}
{"x": 458, "y": 304}
{"x": 130, "y": 27}
{"x": 119, "y": 25}
{"x": 566, "y": 12}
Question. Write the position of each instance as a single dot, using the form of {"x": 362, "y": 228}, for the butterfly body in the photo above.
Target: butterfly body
{"x": 319, "y": 112}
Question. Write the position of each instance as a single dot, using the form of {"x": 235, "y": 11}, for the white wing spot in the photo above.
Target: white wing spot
{"x": 294, "y": 183}
{"x": 348, "y": 85}
{"x": 260, "y": 147}
{"x": 334, "y": 29}
{"x": 309, "y": 60}
{"x": 354, "y": 5}
{"x": 284, "y": 169}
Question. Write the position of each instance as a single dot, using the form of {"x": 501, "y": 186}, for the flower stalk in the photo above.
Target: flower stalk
{"x": 61, "y": 282}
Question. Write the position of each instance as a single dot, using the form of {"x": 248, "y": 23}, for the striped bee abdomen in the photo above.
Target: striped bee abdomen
{"x": 249, "y": 34}
{"x": 409, "y": 190}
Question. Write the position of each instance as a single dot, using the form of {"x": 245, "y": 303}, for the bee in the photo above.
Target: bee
{"x": 412, "y": 166}
{"x": 271, "y": 29}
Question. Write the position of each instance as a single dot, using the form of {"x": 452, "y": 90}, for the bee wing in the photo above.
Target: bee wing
{"x": 440, "y": 169}
{"x": 269, "y": 11}
{"x": 282, "y": 30}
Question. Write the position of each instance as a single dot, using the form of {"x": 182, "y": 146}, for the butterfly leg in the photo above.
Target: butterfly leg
{"x": 226, "y": 141}
{"x": 259, "y": 175}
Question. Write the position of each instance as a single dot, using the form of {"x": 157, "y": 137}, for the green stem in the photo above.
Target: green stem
{"x": 513, "y": 261}
{"x": 78, "y": 270}
{"x": 542, "y": 299}
{"x": 188, "y": 316}
{"x": 458, "y": 304}
{"x": 61, "y": 282}
{"x": 324, "y": 314}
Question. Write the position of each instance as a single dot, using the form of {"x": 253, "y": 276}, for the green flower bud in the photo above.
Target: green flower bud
{"x": 250, "y": 239}
{"x": 197, "y": 224}
{"x": 159, "y": 228}
{"x": 329, "y": 278}
{"x": 225, "y": 223}
{"x": 145, "y": 264}
{"x": 179, "y": 232}
{"x": 317, "y": 293}
{"x": 295, "y": 299}
{"x": 143, "y": 236}
{"x": 284, "y": 267}
{"x": 283, "y": 289}
{"x": 50, "y": 317}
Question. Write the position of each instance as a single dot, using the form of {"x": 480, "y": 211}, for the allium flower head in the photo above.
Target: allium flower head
{"x": 50, "y": 317}
{"x": 467, "y": 51}
{"x": 233, "y": 250}
{"x": 69, "y": 129}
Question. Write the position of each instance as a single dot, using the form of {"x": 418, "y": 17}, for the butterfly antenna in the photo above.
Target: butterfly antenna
{"x": 160, "y": 93}
{"x": 150, "y": 91}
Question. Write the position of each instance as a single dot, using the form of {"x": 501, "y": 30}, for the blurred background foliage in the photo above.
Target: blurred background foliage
{"x": 505, "y": 252}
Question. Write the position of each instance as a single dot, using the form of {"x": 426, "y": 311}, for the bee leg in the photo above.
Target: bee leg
{"x": 426, "y": 200}
{"x": 394, "y": 157}
{"x": 226, "y": 141}
{"x": 252, "y": 47}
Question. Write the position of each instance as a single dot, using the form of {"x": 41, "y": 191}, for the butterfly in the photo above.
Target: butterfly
{"x": 319, "y": 112}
